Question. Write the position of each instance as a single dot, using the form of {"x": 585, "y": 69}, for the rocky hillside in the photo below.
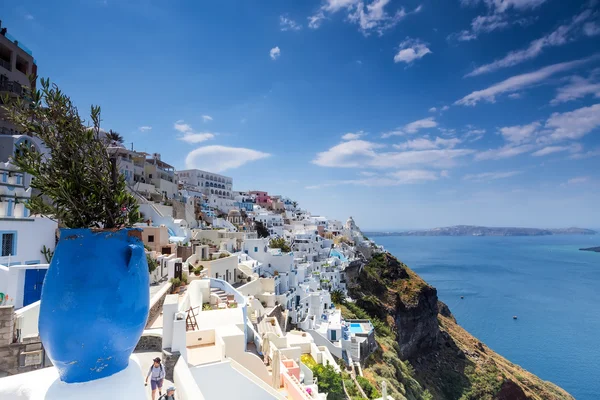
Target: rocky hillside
{"x": 424, "y": 353}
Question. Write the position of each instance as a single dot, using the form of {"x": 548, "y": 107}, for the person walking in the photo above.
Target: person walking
{"x": 170, "y": 395}
{"x": 157, "y": 376}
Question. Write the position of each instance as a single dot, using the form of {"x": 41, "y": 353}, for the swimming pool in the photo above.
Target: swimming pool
{"x": 335, "y": 253}
{"x": 356, "y": 328}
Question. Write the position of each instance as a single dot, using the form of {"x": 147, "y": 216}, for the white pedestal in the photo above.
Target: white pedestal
{"x": 44, "y": 384}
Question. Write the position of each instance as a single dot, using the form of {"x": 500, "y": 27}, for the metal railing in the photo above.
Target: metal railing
{"x": 13, "y": 87}
{"x": 5, "y": 64}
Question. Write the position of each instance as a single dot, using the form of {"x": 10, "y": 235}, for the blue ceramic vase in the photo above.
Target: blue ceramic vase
{"x": 94, "y": 303}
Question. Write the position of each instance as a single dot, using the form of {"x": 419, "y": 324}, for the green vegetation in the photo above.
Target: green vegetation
{"x": 485, "y": 382}
{"x": 329, "y": 382}
{"x": 78, "y": 180}
{"x": 351, "y": 388}
{"x": 198, "y": 270}
{"x": 176, "y": 282}
{"x": 206, "y": 307}
{"x": 308, "y": 360}
{"x": 338, "y": 296}
{"x": 261, "y": 230}
{"x": 280, "y": 243}
{"x": 152, "y": 263}
{"x": 385, "y": 364}
{"x": 353, "y": 311}
{"x": 47, "y": 254}
{"x": 368, "y": 388}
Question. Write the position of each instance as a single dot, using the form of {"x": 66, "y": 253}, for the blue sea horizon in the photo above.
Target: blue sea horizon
{"x": 546, "y": 281}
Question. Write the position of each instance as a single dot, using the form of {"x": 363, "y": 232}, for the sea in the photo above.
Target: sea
{"x": 551, "y": 286}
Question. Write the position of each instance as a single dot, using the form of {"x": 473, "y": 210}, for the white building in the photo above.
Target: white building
{"x": 207, "y": 182}
{"x": 273, "y": 222}
{"x": 22, "y": 239}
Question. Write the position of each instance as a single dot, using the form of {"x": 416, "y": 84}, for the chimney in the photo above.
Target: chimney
{"x": 384, "y": 395}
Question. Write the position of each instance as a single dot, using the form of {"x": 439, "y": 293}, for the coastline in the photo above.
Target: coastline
{"x": 592, "y": 249}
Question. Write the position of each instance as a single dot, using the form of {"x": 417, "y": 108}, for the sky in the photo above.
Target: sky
{"x": 403, "y": 114}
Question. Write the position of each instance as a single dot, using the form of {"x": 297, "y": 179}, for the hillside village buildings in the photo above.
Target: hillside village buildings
{"x": 250, "y": 316}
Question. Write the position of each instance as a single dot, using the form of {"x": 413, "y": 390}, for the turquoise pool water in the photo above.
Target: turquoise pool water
{"x": 356, "y": 328}
{"x": 335, "y": 253}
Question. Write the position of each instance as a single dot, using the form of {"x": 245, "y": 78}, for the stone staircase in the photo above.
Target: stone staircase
{"x": 220, "y": 293}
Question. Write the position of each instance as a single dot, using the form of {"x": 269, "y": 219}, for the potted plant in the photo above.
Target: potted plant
{"x": 198, "y": 270}
{"x": 94, "y": 302}
{"x": 175, "y": 284}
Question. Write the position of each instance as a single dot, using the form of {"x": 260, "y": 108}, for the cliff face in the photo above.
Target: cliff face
{"x": 435, "y": 358}
{"x": 417, "y": 324}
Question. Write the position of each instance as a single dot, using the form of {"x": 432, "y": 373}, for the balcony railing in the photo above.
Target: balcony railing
{"x": 5, "y": 64}
{"x": 13, "y": 87}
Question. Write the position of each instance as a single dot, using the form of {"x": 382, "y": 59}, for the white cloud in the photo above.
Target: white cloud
{"x": 544, "y": 139}
{"x": 560, "y": 36}
{"x": 505, "y": 152}
{"x": 411, "y": 50}
{"x": 364, "y": 154}
{"x": 578, "y": 180}
{"x": 490, "y": 176}
{"x": 445, "y": 108}
{"x": 427, "y": 144}
{"x": 415, "y": 175}
{"x": 371, "y": 16}
{"x": 353, "y": 153}
{"x": 587, "y": 154}
{"x": 189, "y": 135}
{"x": 573, "y": 124}
{"x": 353, "y": 136}
{"x": 275, "y": 53}
{"x": 591, "y": 29}
{"x": 500, "y": 6}
{"x": 574, "y": 148}
{"x": 424, "y": 123}
{"x": 474, "y": 134}
{"x": 144, "y": 128}
{"x": 435, "y": 158}
{"x": 401, "y": 177}
{"x": 412, "y": 127}
{"x": 196, "y": 137}
{"x": 207, "y": 118}
{"x": 486, "y": 24}
{"x": 315, "y": 21}
{"x": 288, "y": 24}
{"x": 432, "y": 109}
{"x": 519, "y": 133}
{"x": 29, "y": 17}
{"x": 182, "y": 127}
{"x": 577, "y": 88}
{"x": 519, "y": 82}
{"x": 221, "y": 158}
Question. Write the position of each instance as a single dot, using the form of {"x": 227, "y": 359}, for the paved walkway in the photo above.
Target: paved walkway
{"x": 156, "y": 288}
{"x": 145, "y": 362}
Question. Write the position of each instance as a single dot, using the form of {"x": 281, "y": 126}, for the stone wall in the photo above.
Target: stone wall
{"x": 156, "y": 308}
{"x": 169, "y": 360}
{"x": 16, "y": 358}
{"x": 150, "y": 342}
{"x": 184, "y": 252}
{"x": 7, "y": 321}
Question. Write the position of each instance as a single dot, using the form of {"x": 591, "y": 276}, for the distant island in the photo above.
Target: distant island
{"x": 470, "y": 230}
{"x": 596, "y": 249}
